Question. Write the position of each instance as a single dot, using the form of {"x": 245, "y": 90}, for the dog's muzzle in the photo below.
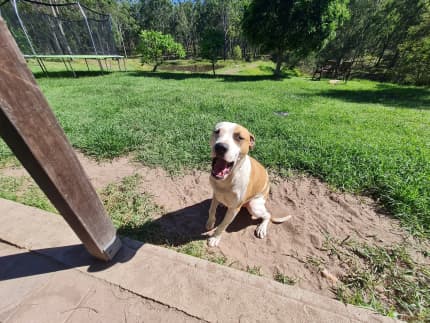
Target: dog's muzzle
{"x": 221, "y": 168}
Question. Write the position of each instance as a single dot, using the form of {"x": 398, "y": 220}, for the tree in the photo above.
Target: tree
{"x": 212, "y": 45}
{"x": 225, "y": 16}
{"x": 414, "y": 62}
{"x": 388, "y": 40}
{"x": 155, "y": 15}
{"x": 155, "y": 47}
{"x": 354, "y": 36}
{"x": 301, "y": 26}
{"x": 185, "y": 25}
{"x": 237, "y": 53}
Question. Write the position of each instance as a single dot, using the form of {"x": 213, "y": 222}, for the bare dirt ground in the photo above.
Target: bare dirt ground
{"x": 297, "y": 248}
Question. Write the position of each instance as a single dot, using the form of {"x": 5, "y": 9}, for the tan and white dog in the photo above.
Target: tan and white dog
{"x": 237, "y": 179}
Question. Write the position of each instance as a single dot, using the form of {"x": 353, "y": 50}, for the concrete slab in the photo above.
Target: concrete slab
{"x": 18, "y": 263}
{"x": 38, "y": 289}
{"x": 191, "y": 286}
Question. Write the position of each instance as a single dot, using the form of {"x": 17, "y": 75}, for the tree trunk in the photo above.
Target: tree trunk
{"x": 394, "y": 60}
{"x": 225, "y": 28}
{"x": 155, "y": 67}
{"x": 382, "y": 53}
{"x": 278, "y": 64}
{"x": 213, "y": 67}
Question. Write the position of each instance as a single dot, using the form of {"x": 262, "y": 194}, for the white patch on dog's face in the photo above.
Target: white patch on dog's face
{"x": 223, "y": 133}
{"x": 235, "y": 141}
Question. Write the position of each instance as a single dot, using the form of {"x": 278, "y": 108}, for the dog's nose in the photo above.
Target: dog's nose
{"x": 220, "y": 148}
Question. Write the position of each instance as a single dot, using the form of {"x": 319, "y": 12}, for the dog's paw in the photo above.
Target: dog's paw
{"x": 214, "y": 241}
{"x": 261, "y": 231}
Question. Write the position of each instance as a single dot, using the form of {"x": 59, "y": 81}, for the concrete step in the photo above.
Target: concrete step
{"x": 36, "y": 288}
{"x": 189, "y": 288}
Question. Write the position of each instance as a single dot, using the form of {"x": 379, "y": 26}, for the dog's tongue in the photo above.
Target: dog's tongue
{"x": 220, "y": 167}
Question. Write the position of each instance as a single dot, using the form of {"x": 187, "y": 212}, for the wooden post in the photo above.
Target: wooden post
{"x": 31, "y": 130}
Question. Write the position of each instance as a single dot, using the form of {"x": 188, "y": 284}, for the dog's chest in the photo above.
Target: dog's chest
{"x": 233, "y": 194}
{"x": 230, "y": 197}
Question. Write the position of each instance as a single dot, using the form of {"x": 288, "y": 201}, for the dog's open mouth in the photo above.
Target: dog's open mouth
{"x": 220, "y": 168}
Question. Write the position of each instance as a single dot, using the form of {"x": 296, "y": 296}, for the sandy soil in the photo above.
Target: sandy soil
{"x": 294, "y": 248}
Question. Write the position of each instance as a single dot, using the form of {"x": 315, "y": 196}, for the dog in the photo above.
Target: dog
{"x": 237, "y": 179}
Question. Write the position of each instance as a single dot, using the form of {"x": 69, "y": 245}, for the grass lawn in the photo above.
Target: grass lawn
{"x": 362, "y": 136}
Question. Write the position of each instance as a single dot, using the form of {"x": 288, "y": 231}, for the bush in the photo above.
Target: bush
{"x": 155, "y": 47}
{"x": 237, "y": 53}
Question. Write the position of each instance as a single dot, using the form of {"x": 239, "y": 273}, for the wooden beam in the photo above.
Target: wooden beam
{"x": 30, "y": 129}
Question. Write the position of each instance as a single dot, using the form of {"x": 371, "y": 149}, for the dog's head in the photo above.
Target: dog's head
{"x": 229, "y": 142}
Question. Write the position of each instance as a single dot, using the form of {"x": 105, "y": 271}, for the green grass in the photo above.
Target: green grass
{"x": 23, "y": 190}
{"x": 131, "y": 211}
{"x": 363, "y": 137}
{"x": 283, "y": 279}
{"x": 7, "y": 159}
{"x": 254, "y": 270}
{"x": 133, "y": 214}
{"x": 386, "y": 280}
{"x": 198, "y": 249}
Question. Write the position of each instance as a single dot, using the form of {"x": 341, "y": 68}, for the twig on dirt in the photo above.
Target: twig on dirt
{"x": 81, "y": 307}
{"x": 345, "y": 240}
{"x": 326, "y": 274}
{"x": 232, "y": 263}
{"x": 295, "y": 257}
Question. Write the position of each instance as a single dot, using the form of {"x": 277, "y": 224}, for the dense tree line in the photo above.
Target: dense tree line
{"x": 386, "y": 39}
{"x": 187, "y": 20}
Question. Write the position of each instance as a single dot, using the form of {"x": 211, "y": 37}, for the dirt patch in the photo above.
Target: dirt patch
{"x": 170, "y": 193}
{"x": 297, "y": 248}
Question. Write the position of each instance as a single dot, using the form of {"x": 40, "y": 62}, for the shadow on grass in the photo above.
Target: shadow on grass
{"x": 385, "y": 94}
{"x": 184, "y": 225}
{"x": 63, "y": 74}
{"x": 223, "y": 77}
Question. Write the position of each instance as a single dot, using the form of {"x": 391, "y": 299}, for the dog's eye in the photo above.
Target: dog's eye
{"x": 238, "y": 137}
{"x": 216, "y": 131}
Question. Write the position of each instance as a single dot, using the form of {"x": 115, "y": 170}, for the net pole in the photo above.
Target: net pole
{"x": 60, "y": 27}
{"x": 100, "y": 65}
{"x": 42, "y": 66}
{"x": 67, "y": 69}
{"x": 118, "y": 27}
{"x": 15, "y": 7}
{"x": 71, "y": 67}
{"x": 123, "y": 45}
{"x": 89, "y": 31}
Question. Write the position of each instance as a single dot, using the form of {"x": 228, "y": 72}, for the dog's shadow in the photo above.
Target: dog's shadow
{"x": 185, "y": 225}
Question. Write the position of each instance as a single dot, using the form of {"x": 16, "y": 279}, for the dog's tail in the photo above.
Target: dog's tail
{"x": 280, "y": 220}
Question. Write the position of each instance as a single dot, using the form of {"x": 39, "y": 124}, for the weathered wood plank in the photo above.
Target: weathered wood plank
{"x": 31, "y": 130}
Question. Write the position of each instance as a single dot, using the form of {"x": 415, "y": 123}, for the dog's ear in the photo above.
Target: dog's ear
{"x": 251, "y": 141}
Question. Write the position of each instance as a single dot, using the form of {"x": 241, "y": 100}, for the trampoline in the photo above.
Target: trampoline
{"x": 63, "y": 31}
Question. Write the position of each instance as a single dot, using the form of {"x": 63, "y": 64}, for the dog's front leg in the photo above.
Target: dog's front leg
{"x": 212, "y": 212}
{"x": 229, "y": 216}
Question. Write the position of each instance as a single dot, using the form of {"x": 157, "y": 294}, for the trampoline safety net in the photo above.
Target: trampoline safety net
{"x": 42, "y": 28}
